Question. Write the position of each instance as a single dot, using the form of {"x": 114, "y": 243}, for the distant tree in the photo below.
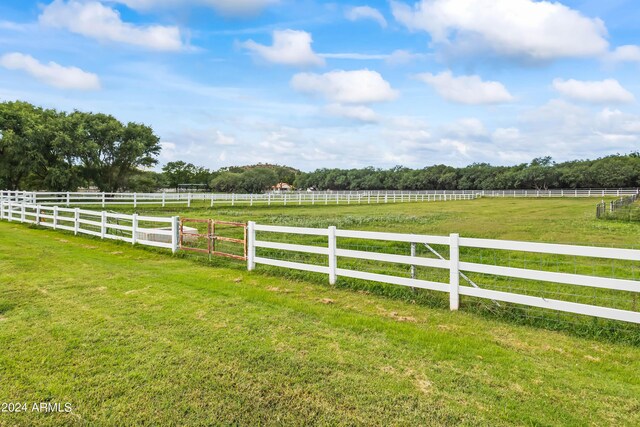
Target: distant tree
{"x": 258, "y": 180}
{"x": 179, "y": 172}
{"x": 109, "y": 151}
{"x": 227, "y": 182}
{"x": 145, "y": 182}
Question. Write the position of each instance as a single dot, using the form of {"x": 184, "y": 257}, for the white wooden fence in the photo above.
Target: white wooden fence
{"x": 291, "y": 198}
{"x": 453, "y": 264}
{"x": 135, "y": 228}
{"x": 160, "y": 232}
{"x": 281, "y": 198}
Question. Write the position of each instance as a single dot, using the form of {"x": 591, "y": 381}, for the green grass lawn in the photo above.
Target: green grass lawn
{"x": 130, "y": 336}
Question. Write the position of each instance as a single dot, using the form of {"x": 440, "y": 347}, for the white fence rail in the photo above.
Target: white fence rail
{"x": 282, "y": 198}
{"x": 454, "y": 265}
{"x": 68, "y": 199}
{"x": 160, "y": 232}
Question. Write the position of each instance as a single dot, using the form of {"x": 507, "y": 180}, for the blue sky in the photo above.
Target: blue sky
{"x": 339, "y": 84}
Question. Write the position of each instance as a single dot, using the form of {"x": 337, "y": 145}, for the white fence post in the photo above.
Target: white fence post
{"x": 164, "y": 197}
{"x": 68, "y": 199}
{"x": 103, "y": 225}
{"x": 333, "y": 262}
{"x": 251, "y": 245}
{"x": 22, "y": 213}
{"x": 135, "y": 200}
{"x": 55, "y": 217}
{"x": 188, "y": 200}
{"x": 174, "y": 234}
{"x": 134, "y": 228}
{"x": 413, "y": 254}
{"x": 103, "y": 197}
{"x": 38, "y": 214}
{"x": 454, "y": 271}
{"x": 76, "y": 221}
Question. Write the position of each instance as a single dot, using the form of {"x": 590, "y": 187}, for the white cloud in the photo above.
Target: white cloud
{"x": 605, "y": 91}
{"x": 349, "y": 87}
{"x": 627, "y": 53}
{"x": 466, "y": 89}
{"x": 355, "y": 56}
{"x": 226, "y": 7}
{"x": 12, "y": 26}
{"x": 289, "y": 48}
{"x": 366, "y": 12}
{"x": 222, "y": 139}
{"x": 469, "y": 128}
{"x": 93, "y": 19}
{"x": 567, "y": 131}
{"x": 616, "y": 126}
{"x": 507, "y": 135}
{"x": 402, "y": 57}
{"x": 355, "y": 112}
{"x": 169, "y": 152}
{"x": 535, "y": 30}
{"x": 51, "y": 73}
{"x": 397, "y": 57}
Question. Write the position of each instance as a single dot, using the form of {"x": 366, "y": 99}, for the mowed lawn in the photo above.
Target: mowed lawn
{"x": 130, "y": 336}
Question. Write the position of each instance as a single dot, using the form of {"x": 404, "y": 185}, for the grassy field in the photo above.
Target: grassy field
{"x": 135, "y": 337}
{"x": 559, "y": 220}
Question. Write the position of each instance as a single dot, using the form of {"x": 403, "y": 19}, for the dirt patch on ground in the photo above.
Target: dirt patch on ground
{"x": 424, "y": 385}
{"x": 135, "y": 291}
{"x": 115, "y": 253}
{"x": 89, "y": 247}
{"x": 100, "y": 288}
{"x": 388, "y": 369}
{"x": 276, "y": 289}
{"x": 62, "y": 240}
{"x": 400, "y": 318}
{"x": 327, "y": 301}
{"x": 3, "y": 319}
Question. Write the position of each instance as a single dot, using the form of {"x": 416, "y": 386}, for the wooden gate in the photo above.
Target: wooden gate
{"x": 208, "y": 236}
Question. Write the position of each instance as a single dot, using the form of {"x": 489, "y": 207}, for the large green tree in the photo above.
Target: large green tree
{"x": 180, "y": 172}
{"x": 109, "y": 151}
{"x": 46, "y": 149}
{"x": 35, "y": 151}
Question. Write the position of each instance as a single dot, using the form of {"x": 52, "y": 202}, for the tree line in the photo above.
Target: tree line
{"x": 235, "y": 179}
{"x": 45, "y": 149}
{"x": 543, "y": 173}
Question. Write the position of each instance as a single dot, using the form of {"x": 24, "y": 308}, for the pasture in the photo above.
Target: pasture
{"x": 135, "y": 336}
